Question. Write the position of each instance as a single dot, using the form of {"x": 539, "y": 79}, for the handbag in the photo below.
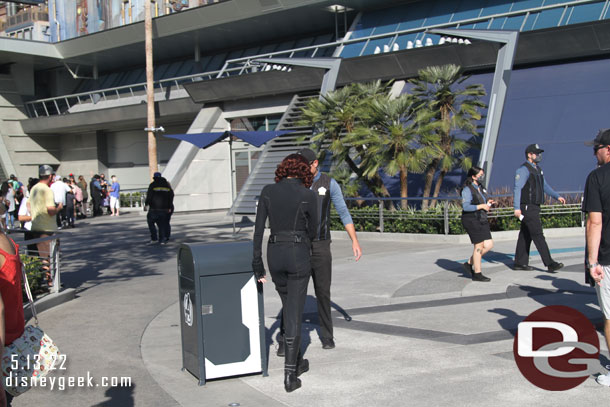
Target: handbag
{"x": 29, "y": 357}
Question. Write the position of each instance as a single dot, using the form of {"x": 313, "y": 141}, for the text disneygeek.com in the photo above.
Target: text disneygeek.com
{"x": 64, "y": 382}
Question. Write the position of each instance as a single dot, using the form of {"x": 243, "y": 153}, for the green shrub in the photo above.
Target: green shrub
{"x": 36, "y": 276}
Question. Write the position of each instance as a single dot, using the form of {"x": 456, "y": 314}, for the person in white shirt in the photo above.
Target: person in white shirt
{"x": 60, "y": 189}
{"x": 25, "y": 217}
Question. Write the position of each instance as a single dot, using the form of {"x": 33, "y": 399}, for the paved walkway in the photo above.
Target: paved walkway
{"x": 418, "y": 332}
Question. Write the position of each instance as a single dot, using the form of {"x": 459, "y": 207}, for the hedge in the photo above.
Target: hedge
{"x": 431, "y": 221}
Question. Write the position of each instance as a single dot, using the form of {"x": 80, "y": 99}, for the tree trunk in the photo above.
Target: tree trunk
{"x": 150, "y": 92}
{"x": 437, "y": 186}
{"x": 404, "y": 204}
{"x": 430, "y": 171}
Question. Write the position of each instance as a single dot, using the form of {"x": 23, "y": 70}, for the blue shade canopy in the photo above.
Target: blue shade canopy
{"x": 205, "y": 140}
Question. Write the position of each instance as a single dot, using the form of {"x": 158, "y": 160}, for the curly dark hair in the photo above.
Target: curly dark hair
{"x": 294, "y": 165}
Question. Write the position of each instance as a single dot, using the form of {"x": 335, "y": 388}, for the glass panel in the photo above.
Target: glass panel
{"x": 441, "y": 12}
{"x": 251, "y": 51}
{"x": 495, "y": 7}
{"x": 216, "y": 62}
{"x": 268, "y": 48}
{"x": 551, "y": 2}
{"x": 402, "y": 40}
{"x": 273, "y": 121}
{"x": 525, "y": 4}
{"x": 235, "y": 54}
{"x": 566, "y": 16}
{"x": 172, "y": 70}
{"x": 586, "y": 12}
{"x": 497, "y": 23}
{"x": 384, "y": 29}
{"x": 370, "y": 48}
{"x": 352, "y": 50}
{"x": 529, "y": 23}
{"x": 361, "y": 31}
{"x": 467, "y": 9}
{"x": 548, "y": 18}
{"x": 481, "y": 25}
{"x": 415, "y": 15}
{"x": 513, "y": 23}
{"x": 159, "y": 71}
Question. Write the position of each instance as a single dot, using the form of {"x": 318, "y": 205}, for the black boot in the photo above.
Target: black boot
{"x": 280, "y": 346}
{"x": 291, "y": 382}
{"x": 302, "y": 365}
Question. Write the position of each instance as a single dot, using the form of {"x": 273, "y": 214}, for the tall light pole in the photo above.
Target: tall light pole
{"x": 150, "y": 93}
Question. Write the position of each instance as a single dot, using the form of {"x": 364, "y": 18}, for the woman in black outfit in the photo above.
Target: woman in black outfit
{"x": 475, "y": 206}
{"x": 292, "y": 210}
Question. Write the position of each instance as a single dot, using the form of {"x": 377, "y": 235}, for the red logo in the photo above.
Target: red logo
{"x": 556, "y": 348}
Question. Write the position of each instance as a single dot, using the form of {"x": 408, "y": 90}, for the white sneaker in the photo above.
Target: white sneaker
{"x": 604, "y": 379}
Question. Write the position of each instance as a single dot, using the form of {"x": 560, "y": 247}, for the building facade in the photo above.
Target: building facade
{"x": 78, "y": 101}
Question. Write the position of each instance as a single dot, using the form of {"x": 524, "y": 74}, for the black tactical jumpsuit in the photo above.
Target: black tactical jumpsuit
{"x": 293, "y": 219}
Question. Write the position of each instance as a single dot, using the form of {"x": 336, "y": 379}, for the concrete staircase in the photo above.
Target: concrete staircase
{"x": 274, "y": 152}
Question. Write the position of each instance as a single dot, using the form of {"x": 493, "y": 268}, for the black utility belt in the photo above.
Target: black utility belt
{"x": 288, "y": 238}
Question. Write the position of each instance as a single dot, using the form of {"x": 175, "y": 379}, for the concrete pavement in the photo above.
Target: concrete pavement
{"x": 420, "y": 332}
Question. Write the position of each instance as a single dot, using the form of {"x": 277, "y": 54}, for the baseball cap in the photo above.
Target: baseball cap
{"x": 157, "y": 175}
{"x": 58, "y": 178}
{"x": 534, "y": 148}
{"x": 309, "y": 154}
{"x": 602, "y": 139}
{"x": 12, "y": 176}
{"x": 44, "y": 170}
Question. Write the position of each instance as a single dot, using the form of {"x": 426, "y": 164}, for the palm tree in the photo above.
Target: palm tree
{"x": 392, "y": 139}
{"x": 457, "y": 110}
{"x": 336, "y": 115}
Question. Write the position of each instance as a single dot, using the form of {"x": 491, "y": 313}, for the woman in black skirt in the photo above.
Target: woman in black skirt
{"x": 293, "y": 219}
{"x": 475, "y": 206}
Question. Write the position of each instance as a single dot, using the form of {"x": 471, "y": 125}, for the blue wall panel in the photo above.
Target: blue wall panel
{"x": 558, "y": 107}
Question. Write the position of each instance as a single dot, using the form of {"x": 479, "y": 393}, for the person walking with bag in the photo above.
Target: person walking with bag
{"x": 475, "y": 206}
{"x": 12, "y": 321}
{"x": 293, "y": 216}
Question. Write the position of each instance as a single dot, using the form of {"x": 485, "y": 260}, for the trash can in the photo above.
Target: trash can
{"x": 221, "y": 311}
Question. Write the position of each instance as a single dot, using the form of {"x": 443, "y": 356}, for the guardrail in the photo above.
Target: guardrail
{"x": 52, "y": 261}
{"x": 448, "y": 208}
{"x": 133, "y": 199}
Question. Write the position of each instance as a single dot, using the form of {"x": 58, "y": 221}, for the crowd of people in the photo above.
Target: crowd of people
{"x": 79, "y": 199}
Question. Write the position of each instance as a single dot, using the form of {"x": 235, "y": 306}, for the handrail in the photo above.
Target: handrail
{"x": 246, "y": 61}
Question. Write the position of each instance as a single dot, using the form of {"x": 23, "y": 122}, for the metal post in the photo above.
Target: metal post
{"x": 55, "y": 265}
{"x": 446, "y": 216}
{"x": 381, "y": 216}
{"x": 232, "y": 182}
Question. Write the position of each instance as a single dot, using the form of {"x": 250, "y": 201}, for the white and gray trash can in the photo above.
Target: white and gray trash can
{"x": 221, "y": 311}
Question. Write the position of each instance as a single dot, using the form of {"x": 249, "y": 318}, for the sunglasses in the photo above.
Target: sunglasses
{"x": 597, "y": 148}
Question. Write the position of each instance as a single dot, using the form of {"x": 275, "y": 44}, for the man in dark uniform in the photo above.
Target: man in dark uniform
{"x": 530, "y": 187}
{"x": 160, "y": 201}
{"x": 96, "y": 195}
{"x": 596, "y": 204}
{"x": 327, "y": 190}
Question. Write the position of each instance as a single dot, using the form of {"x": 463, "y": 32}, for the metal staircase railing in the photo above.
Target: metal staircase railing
{"x": 263, "y": 172}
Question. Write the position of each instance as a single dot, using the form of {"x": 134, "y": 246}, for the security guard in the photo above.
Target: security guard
{"x": 528, "y": 195}
{"x": 160, "y": 200}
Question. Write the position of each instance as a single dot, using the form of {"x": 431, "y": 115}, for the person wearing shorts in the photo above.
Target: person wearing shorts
{"x": 115, "y": 196}
{"x": 596, "y": 204}
{"x": 475, "y": 206}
